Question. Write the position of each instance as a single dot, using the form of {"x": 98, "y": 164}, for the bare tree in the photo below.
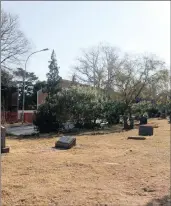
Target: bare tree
{"x": 111, "y": 63}
{"x": 133, "y": 76}
{"x": 158, "y": 87}
{"x": 89, "y": 68}
{"x": 98, "y": 66}
{"x": 14, "y": 44}
{"x": 125, "y": 77}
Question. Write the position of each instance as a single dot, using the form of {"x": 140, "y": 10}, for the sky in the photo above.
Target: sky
{"x": 69, "y": 26}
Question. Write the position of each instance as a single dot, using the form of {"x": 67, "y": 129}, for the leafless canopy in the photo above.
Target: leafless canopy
{"x": 14, "y": 44}
{"x": 123, "y": 75}
{"x": 96, "y": 65}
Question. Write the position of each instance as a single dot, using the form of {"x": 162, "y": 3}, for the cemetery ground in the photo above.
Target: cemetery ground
{"x": 101, "y": 170}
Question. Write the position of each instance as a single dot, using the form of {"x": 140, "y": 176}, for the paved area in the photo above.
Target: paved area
{"x": 21, "y": 130}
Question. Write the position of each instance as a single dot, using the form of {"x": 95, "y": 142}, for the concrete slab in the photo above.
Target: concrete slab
{"x": 22, "y": 130}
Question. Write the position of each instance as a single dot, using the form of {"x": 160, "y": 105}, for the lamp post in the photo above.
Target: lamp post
{"x": 24, "y": 77}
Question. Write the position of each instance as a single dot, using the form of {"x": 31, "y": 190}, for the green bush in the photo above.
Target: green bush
{"x": 152, "y": 112}
{"x": 77, "y": 103}
{"x": 112, "y": 111}
{"x": 45, "y": 119}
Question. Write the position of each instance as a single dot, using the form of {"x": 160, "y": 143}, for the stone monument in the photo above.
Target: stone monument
{"x": 4, "y": 149}
{"x": 145, "y": 130}
{"x": 143, "y": 120}
{"x": 66, "y": 142}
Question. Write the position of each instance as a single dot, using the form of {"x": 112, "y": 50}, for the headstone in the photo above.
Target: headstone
{"x": 66, "y": 142}
{"x": 145, "y": 130}
{"x": 143, "y": 120}
{"x": 4, "y": 149}
{"x": 137, "y": 138}
{"x": 3, "y": 133}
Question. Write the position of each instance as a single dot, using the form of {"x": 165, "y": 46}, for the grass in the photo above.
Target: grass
{"x": 101, "y": 170}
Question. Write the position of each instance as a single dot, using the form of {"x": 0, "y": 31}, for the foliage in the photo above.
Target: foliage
{"x": 45, "y": 118}
{"x": 82, "y": 103}
{"x": 30, "y": 80}
{"x": 151, "y": 107}
{"x": 79, "y": 104}
{"x": 53, "y": 78}
{"x": 122, "y": 75}
{"x": 113, "y": 110}
{"x": 141, "y": 107}
{"x": 6, "y": 78}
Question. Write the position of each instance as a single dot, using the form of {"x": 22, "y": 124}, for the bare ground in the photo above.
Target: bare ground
{"x": 101, "y": 170}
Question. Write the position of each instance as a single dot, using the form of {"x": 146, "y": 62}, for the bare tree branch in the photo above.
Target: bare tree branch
{"x": 14, "y": 44}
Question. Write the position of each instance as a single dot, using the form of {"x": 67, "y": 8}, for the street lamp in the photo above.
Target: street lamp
{"x": 25, "y": 77}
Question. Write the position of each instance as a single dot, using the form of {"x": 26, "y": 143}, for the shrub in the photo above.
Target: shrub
{"x": 45, "y": 119}
{"x": 112, "y": 111}
{"x": 77, "y": 103}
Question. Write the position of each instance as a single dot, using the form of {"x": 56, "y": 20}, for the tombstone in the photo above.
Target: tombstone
{"x": 4, "y": 149}
{"x": 145, "y": 130}
{"x": 136, "y": 138}
{"x": 143, "y": 120}
{"x": 66, "y": 142}
{"x": 163, "y": 116}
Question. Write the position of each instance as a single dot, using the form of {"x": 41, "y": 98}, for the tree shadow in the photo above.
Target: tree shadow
{"x": 118, "y": 128}
{"x": 164, "y": 201}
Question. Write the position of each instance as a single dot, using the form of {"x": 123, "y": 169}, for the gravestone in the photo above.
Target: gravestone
{"x": 163, "y": 116}
{"x": 66, "y": 142}
{"x": 145, "y": 130}
{"x": 4, "y": 149}
{"x": 143, "y": 120}
{"x": 136, "y": 138}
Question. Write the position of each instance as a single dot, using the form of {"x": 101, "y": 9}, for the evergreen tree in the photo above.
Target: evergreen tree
{"x": 30, "y": 80}
{"x": 53, "y": 78}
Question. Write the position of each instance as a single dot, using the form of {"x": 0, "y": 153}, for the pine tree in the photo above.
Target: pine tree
{"x": 53, "y": 78}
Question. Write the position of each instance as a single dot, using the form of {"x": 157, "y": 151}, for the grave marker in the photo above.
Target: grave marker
{"x": 143, "y": 120}
{"x": 66, "y": 142}
{"x": 145, "y": 130}
{"x": 4, "y": 149}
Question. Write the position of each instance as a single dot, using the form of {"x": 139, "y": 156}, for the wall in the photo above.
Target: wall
{"x": 28, "y": 116}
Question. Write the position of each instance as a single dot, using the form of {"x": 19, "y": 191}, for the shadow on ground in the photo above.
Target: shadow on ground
{"x": 109, "y": 130}
{"x": 164, "y": 201}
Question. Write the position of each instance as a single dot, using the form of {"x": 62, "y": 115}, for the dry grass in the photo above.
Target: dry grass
{"x": 100, "y": 170}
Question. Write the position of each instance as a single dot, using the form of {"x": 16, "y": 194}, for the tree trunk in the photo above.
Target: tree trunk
{"x": 125, "y": 119}
{"x": 130, "y": 112}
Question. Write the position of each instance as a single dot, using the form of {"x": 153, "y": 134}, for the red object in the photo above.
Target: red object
{"x": 28, "y": 117}
{"x": 9, "y": 117}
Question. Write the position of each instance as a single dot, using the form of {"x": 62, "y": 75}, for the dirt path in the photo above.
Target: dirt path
{"x": 101, "y": 170}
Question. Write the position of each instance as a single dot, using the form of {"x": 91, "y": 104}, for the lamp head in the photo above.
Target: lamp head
{"x": 45, "y": 49}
